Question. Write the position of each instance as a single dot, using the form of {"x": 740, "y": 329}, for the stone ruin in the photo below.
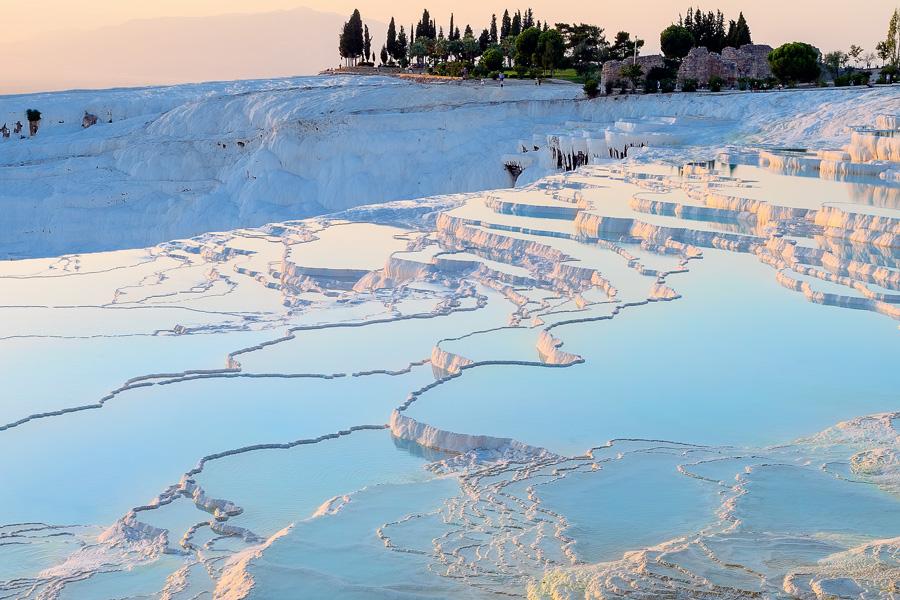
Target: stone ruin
{"x": 748, "y": 61}
{"x": 611, "y": 68}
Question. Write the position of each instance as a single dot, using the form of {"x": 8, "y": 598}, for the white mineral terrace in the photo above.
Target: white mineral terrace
{"x": 666, "y": 375}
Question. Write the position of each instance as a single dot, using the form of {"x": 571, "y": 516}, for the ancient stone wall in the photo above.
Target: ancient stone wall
{"x": 611, "y": 68}
{"x": 734, "y": 63}
{"x": 750, "y": 60}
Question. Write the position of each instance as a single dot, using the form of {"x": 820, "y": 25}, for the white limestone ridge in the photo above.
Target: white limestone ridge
{"x": 183, "y": 160}
{"x": 423, "y": 434}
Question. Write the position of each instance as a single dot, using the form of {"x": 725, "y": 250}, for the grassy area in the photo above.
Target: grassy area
{"x": 564, "y": 74}
{"x": 568, "y": 75}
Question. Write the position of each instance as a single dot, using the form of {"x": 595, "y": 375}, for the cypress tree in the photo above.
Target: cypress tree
{"x": 484, "y": 40}
{"x": 528, "y": 20}
{"x": 401, "y": 46}
{"x": 505, "y": 25}
{"x": 367, "y": 43}
{"x": 743, "y": 32}
{"x": 516, "y": 26}
{"x": 423, "y": 27}
{"x": 391, "y": 44}
{"x": 451, "y": 36}
{"x": 355, "y": 43}
{"x": 350, "y": 41}
{"x": 494, "y": 38}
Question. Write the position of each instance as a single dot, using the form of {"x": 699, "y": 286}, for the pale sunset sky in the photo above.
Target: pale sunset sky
{"x": 58, "y": 44}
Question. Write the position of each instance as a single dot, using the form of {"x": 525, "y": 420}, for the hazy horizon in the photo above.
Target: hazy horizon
{"x": 109, "y": 44}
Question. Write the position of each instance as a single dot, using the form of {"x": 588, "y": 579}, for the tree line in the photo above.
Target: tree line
{"x": 522, "y": 44}
{"x": 516, "y": 40}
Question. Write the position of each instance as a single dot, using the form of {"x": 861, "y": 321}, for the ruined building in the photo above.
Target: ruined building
{"x": 748, "y": 61}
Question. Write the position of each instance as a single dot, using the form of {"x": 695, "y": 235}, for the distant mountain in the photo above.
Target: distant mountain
{"x": 177, "y": 50}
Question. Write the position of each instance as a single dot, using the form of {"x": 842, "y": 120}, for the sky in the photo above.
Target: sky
{"x": 63, "y": 28}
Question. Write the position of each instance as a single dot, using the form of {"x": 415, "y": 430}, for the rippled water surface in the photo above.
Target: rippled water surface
{"x": 632, "y": 378}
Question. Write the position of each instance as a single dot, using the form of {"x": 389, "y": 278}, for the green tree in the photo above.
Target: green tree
{"x": 471, "y": 48}
{"x": 632, "y": 72}
{"x": 493, "y": 30}
{"x": 795, "y": 61}
{"x": 367, "y": 42}
{"x": 551, "y": 49}
{"x": 418, "y": 50}
{"x": 890, "y": 47}
{"x": 425, "y": 27}
{"x": 492, "y": 59}
{"x": 526, "y": 46}
{"x": 835, "y": 62}
{"x": 516, "y": 26}
{"x": 856, "y": 53}
{"x": 505, "y": 25}
{"x": 391, "y": 44}
{"x": 401, "y": 47}
{"x": 484, "y": 40}
{"x": 707, "y": 28}
{"x": 350, "y": 42}
{"x": 738, "y": 33}
{"x": 455, "y": 47}
{"x": 623, "y": 46}
{"x": 441, "y": 49}
{"x": 528, "y": 19}
{"x": 883, "y": 51}
{"x": 384, "y": 55}
{"x": 585, "y": 45}
{"x": 676, "y": 41}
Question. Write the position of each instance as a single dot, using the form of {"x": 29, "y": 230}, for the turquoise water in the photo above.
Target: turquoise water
{"x": 222, "y": 417}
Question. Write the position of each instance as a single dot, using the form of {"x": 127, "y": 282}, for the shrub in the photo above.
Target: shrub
{"x": 451, "y": 69}
{"x": 743, "y": 83}
{"x": 494, "y": 74}
{"x": 794, "y": 61}
{"x": 889, "y": 73}
{"x": 860, "y": 78}
{"x": 689, "y": 85}
{"x": 591, "y": 87}
{"x": 715, "y": 83}
{"x": 842, "y": 81}
{"x": 660, "y": 79}
{"x": 608, "y": 88}
{"x": 633, "y": 73}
